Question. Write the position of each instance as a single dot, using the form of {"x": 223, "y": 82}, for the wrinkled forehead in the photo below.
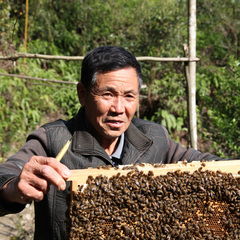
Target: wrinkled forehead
{"x": 128, "y": 77}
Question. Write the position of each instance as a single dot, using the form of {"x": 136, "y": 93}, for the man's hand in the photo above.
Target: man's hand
{"x": 35, "y": 179}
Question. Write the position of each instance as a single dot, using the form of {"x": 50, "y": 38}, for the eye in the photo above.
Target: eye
{"x": 130, "y": 96}
{"x": 107, "y": 95}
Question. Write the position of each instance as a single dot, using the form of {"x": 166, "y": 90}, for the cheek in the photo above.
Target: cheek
{"x": 101, "y": 107}
{"x": 131, "y": 109}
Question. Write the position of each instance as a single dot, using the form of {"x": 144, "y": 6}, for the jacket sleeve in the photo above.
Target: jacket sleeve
{"x": 35, "y": 145}
{"x": 178, "y": 153}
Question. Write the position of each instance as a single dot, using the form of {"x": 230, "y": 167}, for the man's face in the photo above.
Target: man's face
{"x": 111, "y": 103}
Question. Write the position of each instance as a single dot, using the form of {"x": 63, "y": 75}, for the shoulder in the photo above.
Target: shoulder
{"x": 55, "y": 124}
{"x": 60, "y": 124}
{"x": 154, "y": 131}
{"x": 141, "y": 122}
{"x": 45, "y": 132}
{"x": 146, "y": 126}
{"x": 70, "y": 125}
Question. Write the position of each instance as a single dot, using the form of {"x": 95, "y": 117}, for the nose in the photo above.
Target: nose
{"x": 118, "y": 105}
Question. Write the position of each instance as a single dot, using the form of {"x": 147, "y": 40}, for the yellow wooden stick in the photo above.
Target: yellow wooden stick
{"x": 63, "y": 150}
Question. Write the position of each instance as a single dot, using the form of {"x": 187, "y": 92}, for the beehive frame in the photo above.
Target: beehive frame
{"x": 80, "y": 176}
{"x": 215, "y": 224}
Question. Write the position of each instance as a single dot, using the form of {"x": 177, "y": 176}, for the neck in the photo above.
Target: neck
{"x": 109, "y": 146}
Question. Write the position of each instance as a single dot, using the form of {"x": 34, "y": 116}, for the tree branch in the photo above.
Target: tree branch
{"x": 77, "y": 58}
{"x": 38, "y": 79}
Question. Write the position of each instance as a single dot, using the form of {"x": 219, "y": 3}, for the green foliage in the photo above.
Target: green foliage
{"x": 164, "y": 29}
{"x": 221, "y": 107}
{"x": 218, "y": 30}
{"x": 168, "y": 120}
{"x": 24, "y": 105}
{"x": 153, "y": 28}
{"x": 168, "y": 97}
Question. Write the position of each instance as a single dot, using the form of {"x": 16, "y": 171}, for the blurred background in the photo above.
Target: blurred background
{"x": 157, "y": 28}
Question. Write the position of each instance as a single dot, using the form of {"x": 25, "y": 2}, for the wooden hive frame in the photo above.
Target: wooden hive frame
{"x": 80, "y": 176}
{"x": 218, "y": 207}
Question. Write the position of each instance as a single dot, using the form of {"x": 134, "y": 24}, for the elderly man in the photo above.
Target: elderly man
{"x": 104, "y": 133}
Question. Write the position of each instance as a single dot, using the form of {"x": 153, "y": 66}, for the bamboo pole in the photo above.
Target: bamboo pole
{"x": 79, "y": 58}
{"x": 192, "y": 74}
{"x": 25, "y": 33}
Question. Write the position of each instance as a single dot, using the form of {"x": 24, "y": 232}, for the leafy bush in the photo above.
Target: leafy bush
{"x": 220, "y": 107}
{"x": 167, "y": 97}
{"x": 154, "y": 28}
{"x": 25, "y": 104}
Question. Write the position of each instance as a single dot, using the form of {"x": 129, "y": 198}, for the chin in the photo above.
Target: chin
{"x": 114, "y": 134}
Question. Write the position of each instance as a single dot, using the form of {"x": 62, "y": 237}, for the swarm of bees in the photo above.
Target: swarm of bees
{"x": 179, "y": 205}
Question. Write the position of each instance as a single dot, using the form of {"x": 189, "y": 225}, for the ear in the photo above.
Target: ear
{"x": 82, "y": 94}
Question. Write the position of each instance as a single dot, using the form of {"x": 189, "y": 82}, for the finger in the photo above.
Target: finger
{"x": 21, "y": 192}
{"x": 28, "y": 193}
{"x": 41, "y": 176}
{"x": 56, "y": 165}
{"x": 33, "y": 180}
{"x": 40, "y": 168}
{"x": 51, "y": 175}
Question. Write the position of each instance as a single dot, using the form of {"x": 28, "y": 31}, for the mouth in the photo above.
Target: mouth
{"x": 115, "y": 123}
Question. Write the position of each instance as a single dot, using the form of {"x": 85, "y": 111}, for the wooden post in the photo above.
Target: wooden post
{"x": 25, "y": 32}
{"x": 192, "y": 73}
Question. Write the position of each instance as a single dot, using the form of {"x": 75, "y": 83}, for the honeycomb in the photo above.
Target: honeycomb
{"x": 177, "y": 205}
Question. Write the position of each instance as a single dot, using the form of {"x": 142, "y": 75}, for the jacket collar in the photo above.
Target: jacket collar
{"x": 83, "y": 141}
{"x": 137, "y": 138}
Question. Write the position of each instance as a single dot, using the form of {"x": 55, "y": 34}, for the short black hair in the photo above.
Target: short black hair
{"x": 106, "y": 59}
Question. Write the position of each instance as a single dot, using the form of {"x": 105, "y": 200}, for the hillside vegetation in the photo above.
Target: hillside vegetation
{"x": 146, "y": 28}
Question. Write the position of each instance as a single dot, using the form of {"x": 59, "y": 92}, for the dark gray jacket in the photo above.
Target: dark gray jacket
{"x": 144, "y": 142}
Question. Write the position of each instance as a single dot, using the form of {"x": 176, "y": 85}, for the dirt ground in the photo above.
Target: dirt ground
{"x": 18, "y": 226}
